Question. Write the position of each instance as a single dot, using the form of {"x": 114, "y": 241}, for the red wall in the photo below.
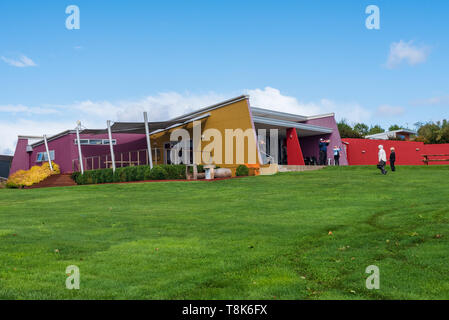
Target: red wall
{"x": 294, "y": 153}
{"x": 364, "y": 151}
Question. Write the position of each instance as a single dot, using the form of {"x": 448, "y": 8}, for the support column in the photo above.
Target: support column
{"x": 294, "y": 152}
{"x": 48, "y": 152}
{"x": 147, "y": 134}
{"x": 80, "y": 155}
{"x": 111, "y": 146}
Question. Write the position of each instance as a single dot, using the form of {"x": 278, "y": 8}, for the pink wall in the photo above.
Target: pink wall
{"x": 66, "y": 150}
{"x": 21, "y": 158}
{"x": 309, "y": 145}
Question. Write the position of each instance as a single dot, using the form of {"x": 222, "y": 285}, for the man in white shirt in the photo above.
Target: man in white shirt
{"x": 382, "y": 159}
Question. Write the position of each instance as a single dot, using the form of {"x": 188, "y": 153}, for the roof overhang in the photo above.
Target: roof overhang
{"x": 302, "y": 128}
{"x": 266, "y": 113}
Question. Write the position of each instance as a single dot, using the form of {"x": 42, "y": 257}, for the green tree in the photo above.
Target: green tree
{"x": 346, "y": 131}
{"x": 361, "y": 128}
{"x": 376, "y": 129}
{"x": 434, "y": 132}
{"x": 394, "y": 127}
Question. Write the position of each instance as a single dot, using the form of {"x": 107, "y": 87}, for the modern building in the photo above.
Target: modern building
{"x": 5, "y": 165}
{"x": 296, "y": 142}
{"x": 401, "y": 134}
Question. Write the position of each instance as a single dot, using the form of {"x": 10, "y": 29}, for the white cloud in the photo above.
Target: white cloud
{"x": 22, "y": 62}
{"x": 408, "y": 52}
{"x": 162, "y": 106}
{"x": 27, "y": 110}
{"x": 271, "y": 98}
{"x": 386, "y": 110}
{"x": 434, "y": 101}
{"x": 10, "y": 130}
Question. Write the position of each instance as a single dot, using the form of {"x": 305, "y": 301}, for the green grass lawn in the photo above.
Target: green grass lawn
{"x": 264, "y": 237}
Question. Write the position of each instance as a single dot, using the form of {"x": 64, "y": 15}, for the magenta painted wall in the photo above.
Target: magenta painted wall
{"x": 21, "y": 158}
{"x": 66, "y": 150}
{"x": 309, "y": 145}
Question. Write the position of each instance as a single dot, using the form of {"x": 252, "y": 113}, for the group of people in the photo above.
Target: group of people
{"x": 337, "y": 151}
{"x": 383, "y": 159}
{"x": 323, "y": 152}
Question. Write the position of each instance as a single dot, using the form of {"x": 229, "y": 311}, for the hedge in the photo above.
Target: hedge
{"x": 136, "y": 173}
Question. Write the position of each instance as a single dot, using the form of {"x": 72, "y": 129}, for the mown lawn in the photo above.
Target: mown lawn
{"x": 263, "y": 237}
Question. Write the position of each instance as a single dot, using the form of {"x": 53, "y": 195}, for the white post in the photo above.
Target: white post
{"x": 79, "y": 147}
{"x": 147, "y": 133}
{"x": 110, "y": 146}
{"x": 48, "y": 152}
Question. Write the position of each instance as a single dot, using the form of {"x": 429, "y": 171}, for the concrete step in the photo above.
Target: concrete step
{"x": 268, "y": 169}
{"x": 291, "y": 168}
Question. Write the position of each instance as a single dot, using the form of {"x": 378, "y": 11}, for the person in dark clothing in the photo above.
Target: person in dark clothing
{"x": 337, "y": 151}
{"x": 392, "y": 159}
{"x": 323, "y": 151}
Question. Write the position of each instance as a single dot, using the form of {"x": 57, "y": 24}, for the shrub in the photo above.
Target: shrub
{"x": 199, "y": 168}
{"x": 36, "y": 174}
{"x": 242, "y": 170}
{"x": 158, "y": 173}
{"x": 175, "y": 171}
{"x": 137, "y": 173}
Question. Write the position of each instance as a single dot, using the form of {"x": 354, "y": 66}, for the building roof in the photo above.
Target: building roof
{"x": 6, "y": 158}
{"x": 267, "y": 113}
{"x": 303, "y": 128}
{"x": 260, "y": 115}
{"x": 390, "y": 133}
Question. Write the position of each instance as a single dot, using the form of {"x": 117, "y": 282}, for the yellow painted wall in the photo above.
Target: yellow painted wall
{"x": 232, "y": 116}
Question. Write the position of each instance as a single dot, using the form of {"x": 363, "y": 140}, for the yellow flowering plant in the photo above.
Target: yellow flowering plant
{"x": 26, "y": 178}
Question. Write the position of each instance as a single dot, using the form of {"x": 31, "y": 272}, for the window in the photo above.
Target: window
{"x": 95, "y": 142}
{"x": 42, "y": 156}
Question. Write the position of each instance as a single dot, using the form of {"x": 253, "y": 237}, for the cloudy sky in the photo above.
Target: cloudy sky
{"x": 170, "y": 57}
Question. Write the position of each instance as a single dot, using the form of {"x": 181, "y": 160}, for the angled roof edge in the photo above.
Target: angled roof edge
{"x": 319, "y": 116}
{"x": 291, "y": 124}
{"x": 56, "y": 136}
{"x": 268, "y": 113}
{"x": 209, "y": 108}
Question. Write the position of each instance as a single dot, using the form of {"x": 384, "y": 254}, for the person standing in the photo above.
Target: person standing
{"x": 337, "y": 151}
{"x": 323, "y": 151}
{"x": 392, "y": 159}
{"x": 382, "y": 159}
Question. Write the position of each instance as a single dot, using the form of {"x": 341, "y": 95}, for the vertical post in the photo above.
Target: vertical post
{"x": 80, "y": 155}
{"x": 111, "y": 146}
{"x": 48, "y": 152}
{"x": 147, "y": 134}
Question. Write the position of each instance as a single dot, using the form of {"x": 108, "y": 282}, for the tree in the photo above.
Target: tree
{"x": 361, "y": 128}
{"x": 375, "y": 129}
{"x": 434, "y": 132}
{"x": 346, "y": 131}
{"x": 395, "y": 127}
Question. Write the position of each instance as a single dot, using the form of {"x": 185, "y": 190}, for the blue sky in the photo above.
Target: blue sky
{"x": 169, "y": 57}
